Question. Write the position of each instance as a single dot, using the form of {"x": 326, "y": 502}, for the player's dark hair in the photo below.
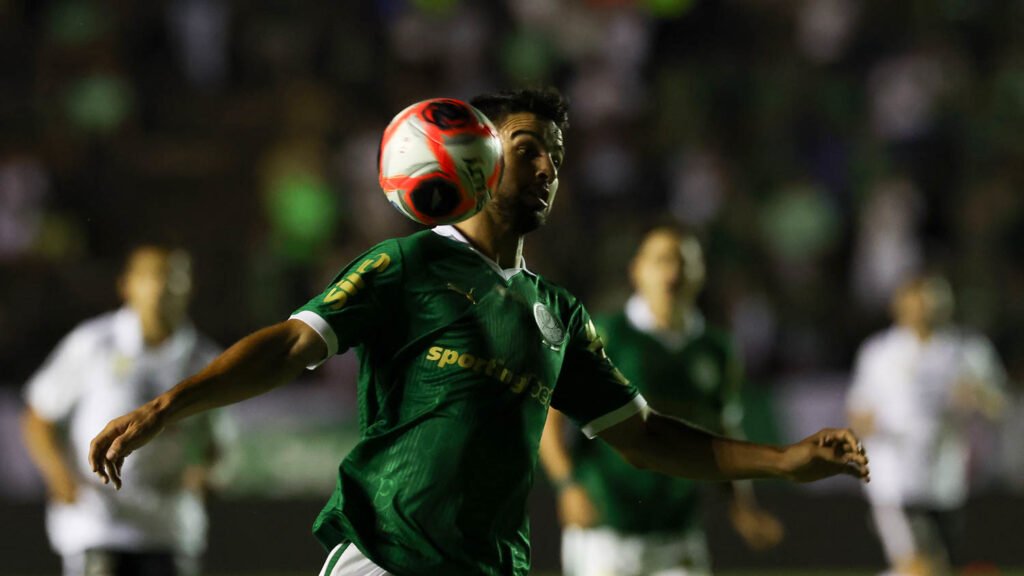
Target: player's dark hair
{"x": 547, "y": 103}
{"x": 129, "y": 252}
{"x": 665, "y": 226}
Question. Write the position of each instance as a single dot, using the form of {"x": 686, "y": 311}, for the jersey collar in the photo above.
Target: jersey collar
{"x": 453, "y": 233}
{"x": 640, "y": 316}
{"x": 128, "y": 337}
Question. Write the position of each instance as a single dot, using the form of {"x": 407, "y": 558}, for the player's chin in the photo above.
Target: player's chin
{"x": 531, "y": 219}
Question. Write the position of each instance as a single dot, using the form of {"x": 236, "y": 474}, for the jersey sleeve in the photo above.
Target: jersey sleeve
{"x": 590, "y": 389}
{"x": 981, "y": 363}
{"x": 55, "y": 388}
{"x": 355, "y": 305}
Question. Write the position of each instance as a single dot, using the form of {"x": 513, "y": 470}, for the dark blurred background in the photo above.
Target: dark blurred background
{"x": 821, "y": 149}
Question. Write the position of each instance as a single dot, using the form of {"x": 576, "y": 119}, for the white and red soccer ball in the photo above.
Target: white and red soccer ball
{"x": 440, "y": 161}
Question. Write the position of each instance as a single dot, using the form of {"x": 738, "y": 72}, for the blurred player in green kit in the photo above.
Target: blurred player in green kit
{"x": 462, "y": 350}
{"x": 626, "y": 522}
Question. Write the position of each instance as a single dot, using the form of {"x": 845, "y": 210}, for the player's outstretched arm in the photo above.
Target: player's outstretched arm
{"x": 255, "y": 364}
{"x": 654, "y": 441}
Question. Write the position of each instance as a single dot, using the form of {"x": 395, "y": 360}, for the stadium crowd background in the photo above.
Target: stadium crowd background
{"x": 822, "y": 149}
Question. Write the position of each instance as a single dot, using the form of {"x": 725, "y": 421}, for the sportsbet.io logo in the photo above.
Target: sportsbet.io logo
{"x": 493, "y": 368}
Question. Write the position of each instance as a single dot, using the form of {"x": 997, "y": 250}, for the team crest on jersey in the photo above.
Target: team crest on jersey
{"x": 551, "y": 329}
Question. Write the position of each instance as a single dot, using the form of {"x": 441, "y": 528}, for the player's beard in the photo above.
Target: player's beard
{"x": 521, "y": 217}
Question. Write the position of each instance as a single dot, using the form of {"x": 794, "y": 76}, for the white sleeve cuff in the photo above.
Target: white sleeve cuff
{"x": 602, "y": 423}
{"x": 321, "y": 327}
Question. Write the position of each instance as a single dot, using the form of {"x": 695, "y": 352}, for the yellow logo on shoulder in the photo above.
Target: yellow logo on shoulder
{"x": 353, "y": 282}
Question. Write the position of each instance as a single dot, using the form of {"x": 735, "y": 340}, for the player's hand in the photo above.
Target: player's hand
{"x": 759, "y": 529}
{"x": 121, "y": 437}
{"x": 827, "y": 453}
{"x": 196, "y": 479}
{"x": 575, "y": 507}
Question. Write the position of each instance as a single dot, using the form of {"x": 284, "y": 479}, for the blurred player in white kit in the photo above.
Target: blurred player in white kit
{"x": 106, "y": 365}
{"x": 916, "y": 387}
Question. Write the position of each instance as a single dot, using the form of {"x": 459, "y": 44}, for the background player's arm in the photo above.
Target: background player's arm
{"x": 650, "y": 440}
{"x": 43, "y": 442}
{"x": 574, "y": 505}
{"x": 255, "y": 364}
{"x": 759, "y": 528}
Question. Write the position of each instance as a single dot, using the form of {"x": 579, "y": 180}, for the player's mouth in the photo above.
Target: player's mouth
{"x": 543, "y": 195}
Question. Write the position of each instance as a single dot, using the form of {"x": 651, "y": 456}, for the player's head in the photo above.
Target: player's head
{"x": 923, "y": 303}
{"x": 157, "y": 283}
{"x": 669, "y": 263}
{"x": 530, "y": 123}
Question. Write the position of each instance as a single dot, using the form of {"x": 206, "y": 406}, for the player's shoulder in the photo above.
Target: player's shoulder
{"x": 718, "y": 338}
{"x": 206, "y": 345}
{"x": 422, "y": 246}
{"x": 554, "y": 293}
{"x": 93, "y": 332}
{"x": 383, "y": 256}
{"x": 880, "y": 342}
{"x": 608, "y": 322}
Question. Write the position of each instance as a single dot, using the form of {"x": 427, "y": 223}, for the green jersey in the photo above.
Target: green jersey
{"x": 695, "y": 378}
{"x": 459, "y": 361}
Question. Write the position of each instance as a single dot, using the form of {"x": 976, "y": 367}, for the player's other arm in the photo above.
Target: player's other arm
{"x": 255, "y": 364}
{"x": 44, "y": 448}
{"x": 650, "y": 440}
{"x": 574, "y": 505}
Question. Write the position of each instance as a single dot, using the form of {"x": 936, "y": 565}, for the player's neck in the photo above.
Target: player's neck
{"x": 494, "y": 240}
{"x": 670, "y": 313}
{"x": 923, "y": 333}
{"x": 154, "y": 331}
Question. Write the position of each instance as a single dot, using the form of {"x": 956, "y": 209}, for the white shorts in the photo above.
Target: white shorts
{"x": 350, "y": 562}
{"x": 910, "y": 531}
{"x": 605, "y": 552}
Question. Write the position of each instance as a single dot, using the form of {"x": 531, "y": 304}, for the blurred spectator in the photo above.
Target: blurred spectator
{"x": 23, "y": 188}
{"x": 887, "y": 249}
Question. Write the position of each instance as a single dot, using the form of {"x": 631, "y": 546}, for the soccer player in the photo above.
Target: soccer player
{"x": 915, "y": 387}
{"x": 462, "y": 350}
{"x": 623, "y": 521}
{"x": 105, "y": 366}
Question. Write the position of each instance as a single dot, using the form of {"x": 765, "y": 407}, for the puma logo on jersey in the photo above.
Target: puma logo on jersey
{"x": 457, "y": 290}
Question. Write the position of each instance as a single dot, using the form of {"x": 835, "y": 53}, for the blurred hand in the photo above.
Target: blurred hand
{"x": 974, "y": 397}
{"x": 759, "y": 529}
{"x": 121, "y": 437}
{"x": 966, "y": 397}
{"x": 196, "y": 479}
{"x": 828, "y": 452}
{"x": 575, "y": 507}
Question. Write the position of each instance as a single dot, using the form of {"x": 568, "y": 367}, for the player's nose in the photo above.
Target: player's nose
{"x": 545, "y": 169}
